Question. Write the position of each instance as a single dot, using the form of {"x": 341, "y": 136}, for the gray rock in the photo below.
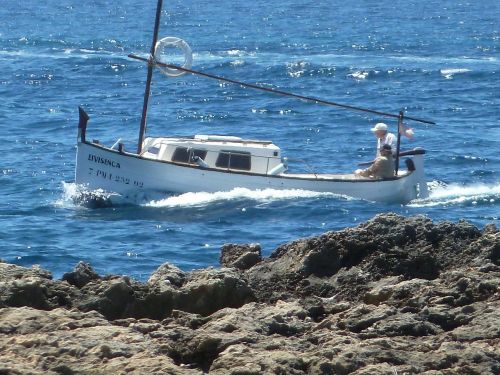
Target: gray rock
{"x": 81, "y": 275}
{"x": 207, "y": 291}
{"x": 405, "y": 324}
{"x": 33, "y": 287}
{"x": 242, "y": 257}
{"x": 167, "y": 276}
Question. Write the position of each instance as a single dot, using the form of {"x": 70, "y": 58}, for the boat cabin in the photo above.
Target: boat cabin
{"x": 218, "y": 152}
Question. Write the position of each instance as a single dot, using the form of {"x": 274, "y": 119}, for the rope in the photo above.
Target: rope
{"x": 279, "y": 92}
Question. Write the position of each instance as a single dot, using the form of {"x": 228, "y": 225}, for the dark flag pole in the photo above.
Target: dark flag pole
{"x": 150, "y": 76}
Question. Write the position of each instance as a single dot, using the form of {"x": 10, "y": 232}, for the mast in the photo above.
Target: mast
{"x": 147, "y": 92}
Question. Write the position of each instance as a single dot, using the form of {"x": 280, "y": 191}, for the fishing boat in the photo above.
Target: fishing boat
{"x": 212, "y": 163}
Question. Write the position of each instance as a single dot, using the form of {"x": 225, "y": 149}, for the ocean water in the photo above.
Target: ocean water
{"x": 438, "y": 60}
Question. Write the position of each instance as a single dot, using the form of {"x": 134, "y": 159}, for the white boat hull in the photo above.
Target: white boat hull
{"x": 99, "y": 167}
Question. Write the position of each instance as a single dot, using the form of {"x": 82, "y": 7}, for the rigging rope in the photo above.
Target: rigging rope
{"x": 275, "y": 91}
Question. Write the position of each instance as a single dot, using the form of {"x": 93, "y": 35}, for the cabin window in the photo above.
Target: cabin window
{"x": 200, "y": 153}
{"x": 185, "y": 155}
{"x": 181, "y": 155}
{"x": 154, "y": 150}
{"x": 232, "y": 160}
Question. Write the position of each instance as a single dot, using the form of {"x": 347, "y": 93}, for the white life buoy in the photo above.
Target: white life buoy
{"x": 168, "y": 42}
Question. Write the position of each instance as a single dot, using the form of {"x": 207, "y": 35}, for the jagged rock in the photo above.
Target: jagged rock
{"x": 203, "y": 292}
{"x": 71, "y": 342}
{"x": 33, "y": 287}
{"x": 81, "y": 275}
{"x": 234, "y": 360}
{"x": 242, "y": 257}
{"x": 387, "y": 245}
{"x": 167, "y": 276}
{"x": 478, "y": 323}
{"x": 363, "y": 317}
{"x": 110, "y": 297}
{"x": 251, "y": 324}
{"x": 395, "y": 290}
{"x": 392, "y": 295}
{"x": 404, "y": 324}
{"x": 206, "y": 291}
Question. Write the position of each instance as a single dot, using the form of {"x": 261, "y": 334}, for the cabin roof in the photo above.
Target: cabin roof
{"x": 218, "y": 141}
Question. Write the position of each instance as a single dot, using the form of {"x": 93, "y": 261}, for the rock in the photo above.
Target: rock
{"x": 479, "y": 323}
{"x": 33, "y": 287}
{"x": 234, "y": 361}
{"x": 385, "y": 246}
{"x": 396, "y": 291}
{"x": 112, "y": 298}
{"x": 206, "y": 291}
{"x": 167, "y": 276}
{"x": 405, "y": 324}
{"x": 81, "y": 275}
{"x": 242, "y": 257}
{"x": 202, "y": 292}
{"x": 363, "y": 317}
{"x": 71, "y": 342}
{"x": 392, "y": 295}
{"x": 251, "y": 324}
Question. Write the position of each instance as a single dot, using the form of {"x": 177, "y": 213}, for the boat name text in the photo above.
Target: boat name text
{"x": 115, "y": 178}
{"x": 105, "y": 161}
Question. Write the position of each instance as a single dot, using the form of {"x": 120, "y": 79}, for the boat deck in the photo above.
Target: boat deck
{"x": 337, "y": 177}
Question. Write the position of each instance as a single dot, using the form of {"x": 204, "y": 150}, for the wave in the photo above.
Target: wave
{"x": 261, "y": 57}
{"x": 69, "y": 190}
{"x": 454, "y": 194}
{"x": 203, "y": 198}
{"x": 67, "y": 53}
{"x": 360, "y": 74}
{"x": 76, "y": 196}
{"x": 449, "y": 73}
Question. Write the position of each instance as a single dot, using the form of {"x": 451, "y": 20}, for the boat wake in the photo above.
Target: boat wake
{"x": 453, "y": 194}
{"x": 75, "y": 195}
{"x": 203, "y": 199}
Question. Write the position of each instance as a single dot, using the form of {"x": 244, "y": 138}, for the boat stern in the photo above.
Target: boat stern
{"x": 415, "y": 165}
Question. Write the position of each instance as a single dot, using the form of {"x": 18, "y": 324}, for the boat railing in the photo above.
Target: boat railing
{"x": 309, "y": 168}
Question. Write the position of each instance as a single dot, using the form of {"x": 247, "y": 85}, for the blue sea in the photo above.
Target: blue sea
{"x": 436, "y": 60}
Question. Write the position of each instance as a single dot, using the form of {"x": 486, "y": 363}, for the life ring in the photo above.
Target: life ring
{"x": 171, "y": 41}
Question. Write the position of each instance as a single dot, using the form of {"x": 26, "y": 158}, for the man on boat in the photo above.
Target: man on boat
{"x": 383, "y": 137}
{"x": 382, "y": 167}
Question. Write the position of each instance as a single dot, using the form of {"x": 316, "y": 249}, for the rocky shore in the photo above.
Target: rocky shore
{"x": 394, "y": 295}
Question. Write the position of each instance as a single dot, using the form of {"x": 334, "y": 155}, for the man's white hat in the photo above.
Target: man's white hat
{"x": 379, "y": 126}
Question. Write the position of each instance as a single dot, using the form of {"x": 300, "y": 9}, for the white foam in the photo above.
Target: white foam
{"x": 203, "y": 198}
{"x": 70, "y": 190}
{"x": 449, "y": 73}
{"x": 359, "y": 74}
{"x": 63, "y": 54}
{"x": 235, "y": 52}
{"x": 456, "y": 194}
